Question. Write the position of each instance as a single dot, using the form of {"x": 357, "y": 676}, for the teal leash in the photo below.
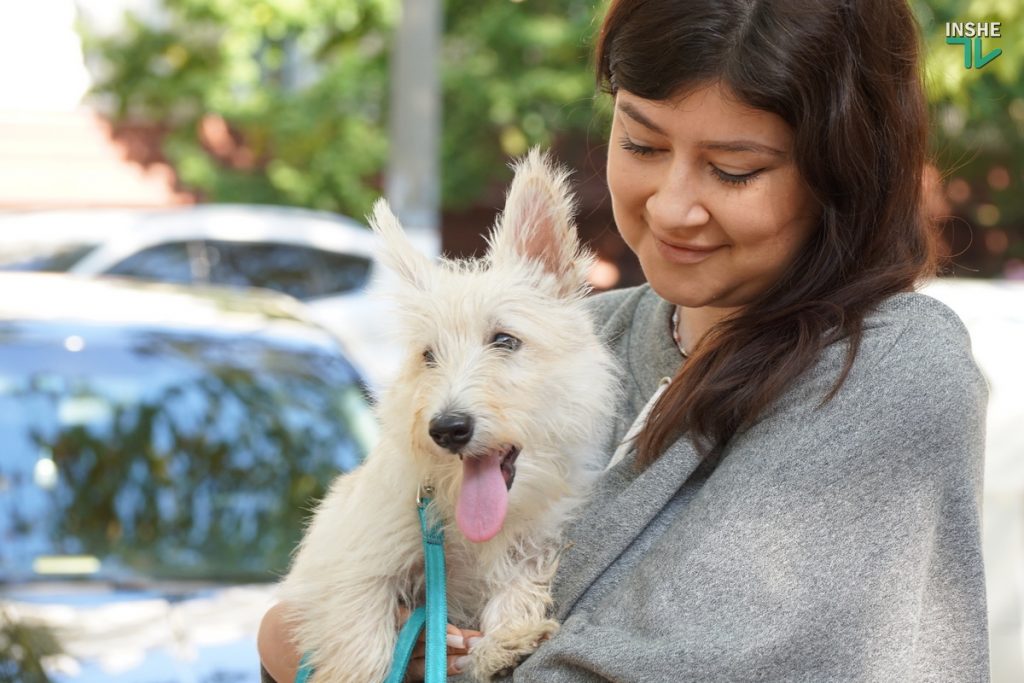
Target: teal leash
{"x": 305, "y": 670}
{"x": 436, "y": 670}
{"x": 433, "y": 616}
{"x": 406, "y": 642}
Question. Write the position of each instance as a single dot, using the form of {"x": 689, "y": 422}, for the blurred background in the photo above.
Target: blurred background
{"x": 183, "y": 177}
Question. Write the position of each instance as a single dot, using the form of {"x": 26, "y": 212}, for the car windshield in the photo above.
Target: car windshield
{"x": 166, "y": 455}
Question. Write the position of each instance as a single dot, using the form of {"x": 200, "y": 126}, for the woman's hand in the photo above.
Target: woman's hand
{"x": 281, "y": 660}
{"x": 459, "y": 643}
{"x": 277, "y": 651}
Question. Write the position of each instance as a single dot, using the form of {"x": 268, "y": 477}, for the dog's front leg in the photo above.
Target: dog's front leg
{"x": 353, "y": 570}
{"x": 351, "y": 636}
{"x": 515, "y": 620}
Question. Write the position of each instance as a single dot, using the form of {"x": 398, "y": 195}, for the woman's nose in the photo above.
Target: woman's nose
{"x": 677, "y": 199}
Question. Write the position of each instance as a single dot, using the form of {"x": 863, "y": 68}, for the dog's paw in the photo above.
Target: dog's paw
{"x": 499, "y": 652}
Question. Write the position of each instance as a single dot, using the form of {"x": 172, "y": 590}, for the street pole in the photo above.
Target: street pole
{"x": 414, "y": 170}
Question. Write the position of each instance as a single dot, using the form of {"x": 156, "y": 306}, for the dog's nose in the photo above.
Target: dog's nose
{"x": 451, "y": 430}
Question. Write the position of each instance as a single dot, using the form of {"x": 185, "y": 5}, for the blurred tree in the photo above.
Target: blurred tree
{"x": 274, "y": 101}
{"x": 516, "y": 74}
{"x": 285, "y": 101}
{"x": 978, "y": 134}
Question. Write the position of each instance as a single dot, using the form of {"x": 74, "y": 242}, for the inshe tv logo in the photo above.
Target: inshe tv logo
{"x": 969, "y": 34}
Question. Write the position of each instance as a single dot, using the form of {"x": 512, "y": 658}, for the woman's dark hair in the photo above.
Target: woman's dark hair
{"x": 845, "y": 75}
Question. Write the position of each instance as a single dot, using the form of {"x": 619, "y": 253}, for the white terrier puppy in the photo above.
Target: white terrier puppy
{"x": 501, "y": 407}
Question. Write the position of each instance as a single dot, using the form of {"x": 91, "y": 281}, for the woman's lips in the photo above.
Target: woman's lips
{"x": 684, "y": 254}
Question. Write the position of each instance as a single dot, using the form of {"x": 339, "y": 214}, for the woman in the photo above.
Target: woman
{"x": 801, "y": 498}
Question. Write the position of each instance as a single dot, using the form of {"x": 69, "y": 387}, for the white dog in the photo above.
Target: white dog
{"x": 500, "y": 407}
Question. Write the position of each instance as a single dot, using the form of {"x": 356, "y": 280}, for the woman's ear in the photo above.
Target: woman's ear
{"x": 537, "y": 224}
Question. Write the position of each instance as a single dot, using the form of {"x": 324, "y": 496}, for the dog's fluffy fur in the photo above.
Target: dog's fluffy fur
{"x": 361, "y": 559}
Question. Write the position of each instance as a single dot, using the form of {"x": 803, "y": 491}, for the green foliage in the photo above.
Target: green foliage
{"x": 277, "y": 101}
{"x": 978, "y": 117}
{"x": 515, "y": 75}
{"x": 302, "y": 88}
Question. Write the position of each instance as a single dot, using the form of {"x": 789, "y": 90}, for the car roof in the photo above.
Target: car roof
{"x": 235, "y": 222}
{"x": 61, "y": 298}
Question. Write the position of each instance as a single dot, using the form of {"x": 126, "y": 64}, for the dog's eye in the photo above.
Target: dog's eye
{"x": 428, "y": 358}
{"x": 505, "y": 341}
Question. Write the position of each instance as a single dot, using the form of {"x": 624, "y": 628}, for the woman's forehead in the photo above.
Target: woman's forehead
{"x": 709, "y": 112}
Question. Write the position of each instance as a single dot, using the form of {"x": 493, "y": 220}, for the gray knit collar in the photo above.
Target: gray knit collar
{"x": 652, "y": 350}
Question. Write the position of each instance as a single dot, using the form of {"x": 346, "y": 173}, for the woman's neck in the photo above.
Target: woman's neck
{"x": 695, "y": 322}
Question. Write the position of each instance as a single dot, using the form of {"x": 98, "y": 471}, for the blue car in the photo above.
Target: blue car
{"x": 160, "y": 451}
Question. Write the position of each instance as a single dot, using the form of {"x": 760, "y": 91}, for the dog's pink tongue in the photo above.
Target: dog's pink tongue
{"x": 483, "y": 499}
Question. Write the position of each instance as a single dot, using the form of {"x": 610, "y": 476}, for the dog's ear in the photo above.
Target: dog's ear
{"x": 537, "y": 223}
{"x": 398, "y": 253}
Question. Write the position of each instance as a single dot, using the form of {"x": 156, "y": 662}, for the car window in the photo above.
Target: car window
{"x": 48, "y": 258}
{"x": 340, "y": 273}
{"x": 170, "y": 262}
{"x": 282, "y": 267}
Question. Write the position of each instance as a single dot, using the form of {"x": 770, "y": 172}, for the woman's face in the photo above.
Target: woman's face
{"x": 706, "y": 192}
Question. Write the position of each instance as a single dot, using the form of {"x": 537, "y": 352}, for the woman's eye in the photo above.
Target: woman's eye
{"x": 501, "y": 340}
{"x": 733, "y": 179}
{"x": 633, "y": 148}
{"x": 428, "y": 359}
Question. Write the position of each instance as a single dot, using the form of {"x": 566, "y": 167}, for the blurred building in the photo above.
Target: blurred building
{"x": 55, "y": 152}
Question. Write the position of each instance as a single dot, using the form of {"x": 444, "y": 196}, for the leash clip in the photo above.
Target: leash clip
{"x": 424, "y": 492}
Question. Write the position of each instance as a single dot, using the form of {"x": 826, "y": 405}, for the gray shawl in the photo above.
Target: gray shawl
{"x": 831, "y": 543}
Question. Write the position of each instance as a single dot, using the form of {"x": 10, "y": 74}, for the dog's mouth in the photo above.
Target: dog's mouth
{"x": 508, "y": 466}
{"x": 483, "y": 497}
{"x": 508, "y": 463}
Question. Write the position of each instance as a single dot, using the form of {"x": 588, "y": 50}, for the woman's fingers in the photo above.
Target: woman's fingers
{"x": 456, "y": 643}
{"x": 281, "y": 659}
{"x": 459, "y": 643}
{"x": 417, "y": 668}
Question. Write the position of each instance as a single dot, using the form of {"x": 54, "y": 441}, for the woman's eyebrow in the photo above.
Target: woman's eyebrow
{"x": 740, "y": 146}
{"x": 632, "y": 112}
